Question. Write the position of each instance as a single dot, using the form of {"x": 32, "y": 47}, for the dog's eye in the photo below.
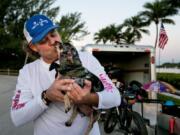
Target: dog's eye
{"x": 74, "y": 53}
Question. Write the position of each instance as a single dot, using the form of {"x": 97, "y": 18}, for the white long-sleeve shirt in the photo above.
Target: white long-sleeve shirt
{"x": 27, "y": 104}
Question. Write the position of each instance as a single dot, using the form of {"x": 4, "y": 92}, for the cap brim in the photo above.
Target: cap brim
{"x": 43, "y": 34}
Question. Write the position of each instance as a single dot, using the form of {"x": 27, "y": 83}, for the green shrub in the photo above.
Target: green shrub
{"x": 173, "y": 79}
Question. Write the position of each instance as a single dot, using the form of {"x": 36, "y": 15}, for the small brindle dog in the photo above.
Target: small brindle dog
{"x": 71, "y": 67}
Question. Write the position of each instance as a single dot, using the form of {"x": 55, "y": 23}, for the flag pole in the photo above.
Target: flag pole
{"x": 159, "y": 57}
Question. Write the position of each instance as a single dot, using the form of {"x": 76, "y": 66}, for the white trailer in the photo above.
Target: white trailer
{"x": 136, "y": 61}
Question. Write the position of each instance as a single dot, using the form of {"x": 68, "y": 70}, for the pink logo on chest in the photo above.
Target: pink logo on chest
{"x": 108, "y": 86}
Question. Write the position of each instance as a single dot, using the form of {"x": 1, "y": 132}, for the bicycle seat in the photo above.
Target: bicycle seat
{"x": 129, "y": 96}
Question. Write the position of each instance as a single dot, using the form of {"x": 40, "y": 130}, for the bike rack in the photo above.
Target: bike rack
{"x": 156, "y": 101}
{"x": 148, "y": 108}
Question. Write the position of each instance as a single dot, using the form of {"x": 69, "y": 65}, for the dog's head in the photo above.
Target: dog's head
{"x": 68, "y": 58}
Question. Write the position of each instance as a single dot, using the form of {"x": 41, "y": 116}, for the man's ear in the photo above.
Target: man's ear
{"x": 33, "y": 47}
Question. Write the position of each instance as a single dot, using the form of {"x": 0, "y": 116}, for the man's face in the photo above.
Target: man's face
{"x": 46, "y": 47}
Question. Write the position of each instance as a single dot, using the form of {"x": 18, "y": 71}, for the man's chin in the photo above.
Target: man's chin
{"x": 55, "y": 58}
{"x": 51, "y": 59}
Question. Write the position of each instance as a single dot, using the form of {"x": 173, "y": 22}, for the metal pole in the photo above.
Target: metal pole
{"x": 26, "y": 58}
{"x": 8, "y": 71}
{"x": 142, "y": 110}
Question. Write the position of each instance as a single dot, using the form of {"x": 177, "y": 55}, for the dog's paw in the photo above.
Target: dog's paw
{"x": 67, "y": 109}
{"x": 68, "y": 123}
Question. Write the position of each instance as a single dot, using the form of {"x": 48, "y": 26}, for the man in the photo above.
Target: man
{"x": 38, "y": 96}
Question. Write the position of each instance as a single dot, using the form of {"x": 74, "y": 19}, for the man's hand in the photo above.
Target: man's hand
{"x": 54, "y": 92}
{"x": 83, "y": 95}
{"x": 78, "y": 95}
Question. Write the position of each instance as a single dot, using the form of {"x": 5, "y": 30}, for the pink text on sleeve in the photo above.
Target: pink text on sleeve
{"x": 107, "y": 85}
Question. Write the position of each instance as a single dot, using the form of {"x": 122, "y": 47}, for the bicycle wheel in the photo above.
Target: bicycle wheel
{"x": 111, "y": 121}
{"x": 137, "y": 126}
{"x": 125, "y": 119}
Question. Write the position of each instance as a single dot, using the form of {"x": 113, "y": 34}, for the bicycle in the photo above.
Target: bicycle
{"x": 129, "y": 121}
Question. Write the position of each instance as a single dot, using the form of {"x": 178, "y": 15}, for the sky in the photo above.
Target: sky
{"x": 100, "y": 13}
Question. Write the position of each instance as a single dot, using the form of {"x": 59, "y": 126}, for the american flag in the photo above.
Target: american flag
{"x": 163, "y": 38}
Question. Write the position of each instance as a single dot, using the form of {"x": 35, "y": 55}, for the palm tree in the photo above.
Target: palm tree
{"x": 172, "y": 3}
{"x": 134, "y": 27}
{"x": 129, "y": 38}
{"x": 115, "y": 34}
{"x": 71, "y": 27}
{"x": 102, "y": 35}
{"x": 158, "y": 11}
{"x": 111, "y": 33}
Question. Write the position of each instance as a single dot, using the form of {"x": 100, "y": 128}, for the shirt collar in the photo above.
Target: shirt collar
{"x": 46, "y": 65}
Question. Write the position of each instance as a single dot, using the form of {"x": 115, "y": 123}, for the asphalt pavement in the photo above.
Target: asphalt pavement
{"x": 7, "y": 87}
